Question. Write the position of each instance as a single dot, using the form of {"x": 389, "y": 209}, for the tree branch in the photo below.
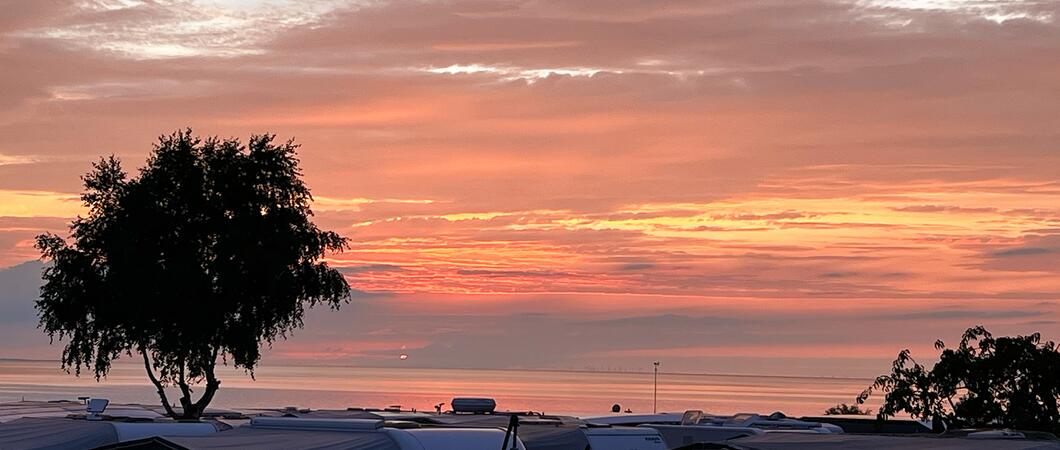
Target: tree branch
{"x": 158, "y": 384}
{"x": 212, "y": 384}
{"x": 185, "y": 390}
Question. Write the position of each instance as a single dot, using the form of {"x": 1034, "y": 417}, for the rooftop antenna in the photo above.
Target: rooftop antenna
{"x": 513, "y": 432}
{"x": 655, "y": 393}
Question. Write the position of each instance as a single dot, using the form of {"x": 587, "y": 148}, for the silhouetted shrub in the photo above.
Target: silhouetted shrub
{"x": 1009, "y": 382}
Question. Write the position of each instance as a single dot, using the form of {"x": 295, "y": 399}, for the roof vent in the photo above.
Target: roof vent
{"x": 691, "y": 417}
{"x": 473, "y": 405}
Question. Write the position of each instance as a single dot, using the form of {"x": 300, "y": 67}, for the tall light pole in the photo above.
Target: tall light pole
{"x": 655, "y": 393}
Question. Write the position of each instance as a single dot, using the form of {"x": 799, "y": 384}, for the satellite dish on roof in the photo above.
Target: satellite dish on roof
{"x": 95, "y": 408}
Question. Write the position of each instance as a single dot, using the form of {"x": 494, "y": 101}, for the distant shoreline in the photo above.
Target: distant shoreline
{"x": 470, "y": 369}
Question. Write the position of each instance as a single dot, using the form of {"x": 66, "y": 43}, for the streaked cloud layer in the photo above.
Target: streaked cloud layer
{"x": 777, "y": 186}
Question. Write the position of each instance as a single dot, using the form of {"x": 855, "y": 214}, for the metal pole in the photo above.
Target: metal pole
{"x": 655, "y": 393}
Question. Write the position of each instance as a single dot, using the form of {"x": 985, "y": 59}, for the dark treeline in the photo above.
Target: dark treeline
{"x": 983, "y": 382}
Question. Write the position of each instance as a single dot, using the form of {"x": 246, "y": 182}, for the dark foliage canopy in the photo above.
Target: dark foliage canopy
{"x": 1003, "y": 382}
{"x": 208, "y": 254}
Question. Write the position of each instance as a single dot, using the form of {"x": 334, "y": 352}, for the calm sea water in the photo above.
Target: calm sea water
{"x": 559, "y": 392}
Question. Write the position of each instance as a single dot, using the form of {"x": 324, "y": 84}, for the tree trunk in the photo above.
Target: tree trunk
{"x": 194, "y": 410}
{"x": 212, "y": 384}
{"x": 190, "y": 410}
{"x": 186, "y": 405}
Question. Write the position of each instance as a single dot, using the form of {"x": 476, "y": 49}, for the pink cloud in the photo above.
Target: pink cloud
{"x": 645, "y": 159}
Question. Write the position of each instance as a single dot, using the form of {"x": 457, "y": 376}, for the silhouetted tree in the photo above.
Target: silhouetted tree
{"x": 206, "y": 255}
{"x": 845, "y": 409}
{"x": 1010, "y": 382}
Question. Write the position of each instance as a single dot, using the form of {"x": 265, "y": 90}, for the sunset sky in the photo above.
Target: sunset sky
{"x": 771, "y": 187}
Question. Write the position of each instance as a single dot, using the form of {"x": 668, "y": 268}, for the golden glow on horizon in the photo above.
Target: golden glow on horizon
{"x": 355, "y": 204}
{"x": 919, "y": 231}
{"x": 932, "y": 235}
{"x": 39, "y": 204}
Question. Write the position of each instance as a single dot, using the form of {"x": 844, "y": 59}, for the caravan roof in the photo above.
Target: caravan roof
{"x": 62, "y": 433}
{"x": 786, "y": 441}
{"x": 63, "y": 408}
